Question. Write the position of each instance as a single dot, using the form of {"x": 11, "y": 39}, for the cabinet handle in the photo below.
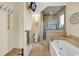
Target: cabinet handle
{"x": 25, "y": 30}
{"x": 8, "y": 21}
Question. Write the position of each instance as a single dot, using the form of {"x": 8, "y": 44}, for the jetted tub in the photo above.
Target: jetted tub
{"x": 63, "y": 48}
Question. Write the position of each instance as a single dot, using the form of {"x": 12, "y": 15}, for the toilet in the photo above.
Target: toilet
{"x": 36, "y": 36}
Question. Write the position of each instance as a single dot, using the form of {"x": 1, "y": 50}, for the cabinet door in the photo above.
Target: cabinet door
{"x": 3, "y": 33}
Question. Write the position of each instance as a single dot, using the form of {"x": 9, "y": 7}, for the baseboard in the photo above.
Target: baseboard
{"x": 8, "y": 51}
{"x": 28, "y": 50}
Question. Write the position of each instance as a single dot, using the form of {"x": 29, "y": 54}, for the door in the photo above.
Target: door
{"x": 3, "y": 33}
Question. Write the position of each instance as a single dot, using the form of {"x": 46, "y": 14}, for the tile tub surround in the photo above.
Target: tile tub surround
{"x": 74, "y": 40}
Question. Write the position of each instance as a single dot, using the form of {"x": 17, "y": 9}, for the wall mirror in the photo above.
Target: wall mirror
{"x": 74, "y": 18}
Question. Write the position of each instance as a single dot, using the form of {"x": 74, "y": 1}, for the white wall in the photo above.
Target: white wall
{"x": 3, "y": 33}
{"x": 27, "y": 18}
{"x": 11, "y": 29}
{"x": 27, "y": 26}
{"x": 72, "y": 29}
{"x": 41, "y": 26}
{"x": 20, "y": 20}
{"x": 19, "y": 24}
{"x": 9, "y": 41}
{"x": 16, "y": 7}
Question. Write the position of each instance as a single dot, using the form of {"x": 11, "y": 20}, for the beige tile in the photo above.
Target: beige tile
{"x": 39, "y": 50}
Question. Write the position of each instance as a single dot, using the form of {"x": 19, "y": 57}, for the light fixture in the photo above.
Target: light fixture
{"x": 36, "y": 19}
{"x": 50, "y": 12}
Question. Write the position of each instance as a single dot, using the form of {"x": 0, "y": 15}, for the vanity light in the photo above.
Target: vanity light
{"x": 36, "y": 18}
{"x": 50, "y": 13}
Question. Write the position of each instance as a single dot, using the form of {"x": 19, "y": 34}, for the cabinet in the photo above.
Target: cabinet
{"x": 3, "y": 32}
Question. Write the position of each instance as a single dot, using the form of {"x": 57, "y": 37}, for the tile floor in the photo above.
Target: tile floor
{"x": 39, "y": 50}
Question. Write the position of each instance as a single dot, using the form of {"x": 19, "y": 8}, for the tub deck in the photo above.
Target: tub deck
{"x": 73, "y": 40}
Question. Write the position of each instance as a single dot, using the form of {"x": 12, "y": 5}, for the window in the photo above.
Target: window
{"x": 61, "y": 21}
{"x": 59, "y": 25}
{"x": 52, "y": 26}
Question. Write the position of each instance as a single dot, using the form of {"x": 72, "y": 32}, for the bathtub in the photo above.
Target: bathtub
{"x": 63, "y": 48}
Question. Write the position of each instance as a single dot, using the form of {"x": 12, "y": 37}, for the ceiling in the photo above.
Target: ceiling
{"x": 42, "y": 5}
{"x": 52, "y": 10}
